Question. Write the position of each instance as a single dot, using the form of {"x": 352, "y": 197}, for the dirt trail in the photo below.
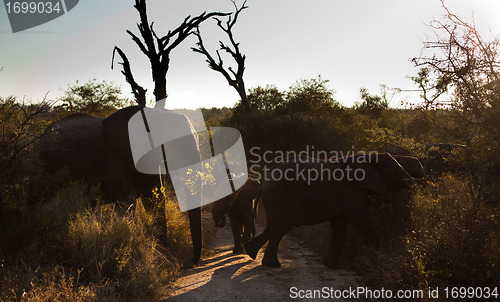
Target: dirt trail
{"x": 224, "y": 276}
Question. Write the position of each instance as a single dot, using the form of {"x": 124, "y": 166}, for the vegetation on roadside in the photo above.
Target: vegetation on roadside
{"x": 60, "y": 242}
{"x": 73, "y": 247}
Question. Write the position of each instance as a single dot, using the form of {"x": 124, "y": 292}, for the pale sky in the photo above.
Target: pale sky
{"x": 352, "y": 43}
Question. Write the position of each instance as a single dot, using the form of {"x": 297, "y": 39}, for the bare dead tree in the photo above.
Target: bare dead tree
{"x": 138, "y": 91}
{"x": 234, "y": 78}
{"x": 157, "y": 49}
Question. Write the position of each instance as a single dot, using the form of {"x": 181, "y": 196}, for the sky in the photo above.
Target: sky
{"x": 353, "y": 44}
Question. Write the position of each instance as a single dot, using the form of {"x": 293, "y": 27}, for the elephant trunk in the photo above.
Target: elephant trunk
{"x": 219, "y": 210}
{"x": 196, "y": 232}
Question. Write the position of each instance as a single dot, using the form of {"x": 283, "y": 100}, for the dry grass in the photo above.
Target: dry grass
{"x": 66, "y": 250}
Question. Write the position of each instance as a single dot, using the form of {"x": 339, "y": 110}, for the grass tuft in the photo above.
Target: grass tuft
{"x": 68, "y": 250}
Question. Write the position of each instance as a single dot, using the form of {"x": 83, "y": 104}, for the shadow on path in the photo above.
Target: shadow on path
{"x": 224, "y": 276}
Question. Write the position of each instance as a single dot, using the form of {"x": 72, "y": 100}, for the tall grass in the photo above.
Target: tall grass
{"x": 64, "y": 249}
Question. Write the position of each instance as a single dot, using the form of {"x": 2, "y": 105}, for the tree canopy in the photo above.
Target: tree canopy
{"x": 93, "y": 97}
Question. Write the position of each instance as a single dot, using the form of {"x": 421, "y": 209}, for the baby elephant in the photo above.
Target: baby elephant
{"x": 239, "y": 207}
{"x": 307, "y": 193}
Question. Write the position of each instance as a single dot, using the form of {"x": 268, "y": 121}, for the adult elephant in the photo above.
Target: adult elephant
{"x": 97, "y": 150}
{"x": 240, "y": 208}
{"x": 338, "y": 193}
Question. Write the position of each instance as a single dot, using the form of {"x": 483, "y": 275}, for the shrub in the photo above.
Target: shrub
{"x": 50, "y": 285}
{"x": 107, "y": 246}
{"x": 67, "y": 250}
{"x": 435, "y": 235}
{"x": 441, "y": 238}
{"x": 454, "y": 240}
{"x": 93, "y": 97}
{"x": 20, "y": 126}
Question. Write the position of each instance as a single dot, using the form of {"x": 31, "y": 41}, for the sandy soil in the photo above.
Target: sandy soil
{"x": 224, "y": 276}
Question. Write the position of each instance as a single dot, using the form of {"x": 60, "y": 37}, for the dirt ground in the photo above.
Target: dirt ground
{"x": 224, "y": 276}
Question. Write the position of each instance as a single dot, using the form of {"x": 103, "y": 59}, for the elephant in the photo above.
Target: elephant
{"x": 240, "y": 208}
{"x": 97, "y": 150}
{"x": 339, "y": 196}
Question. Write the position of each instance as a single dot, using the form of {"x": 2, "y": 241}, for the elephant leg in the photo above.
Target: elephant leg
{"x": 253, "y": 246}
{"x": 194, "y": 216}
{"x": 339, "y": 229}
{"x": 275, "y": 236}
{"x": 362, "y": 222}
{"x": 237, "y": 228}
{"x": 248, "y": 228}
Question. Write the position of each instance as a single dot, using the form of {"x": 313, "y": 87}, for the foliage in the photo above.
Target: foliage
{"x": 440, "y": 238}
{"x": 372, "y": 105}
{"x": 214, "y": 116}
{"x": 454, "y": 240}
{"x": 267, "y": 98}
{"x": 460, "y": 60}
{"x": 20, "y": 127}
{"x": 444, "y": 232}
{"x": 67, "y": 249}
{"x": 432, "y": 88}
{"x": 93, "y": 97}
{"x": 311, "y": 97}
{"x": 41, "y": 285}
{"x": 305, "y": 115}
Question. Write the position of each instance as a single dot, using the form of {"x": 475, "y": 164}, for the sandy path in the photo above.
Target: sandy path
{"x": 224, "y": 276}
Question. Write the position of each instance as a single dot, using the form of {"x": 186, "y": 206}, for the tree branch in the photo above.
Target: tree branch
{"x": 138, "y": 91}
{"x": 234, "y": 78}
{"x": 19, "y": 129}
{"x": 158, "y": 49}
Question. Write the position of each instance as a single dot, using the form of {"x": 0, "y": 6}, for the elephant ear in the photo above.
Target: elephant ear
{"x": 115, "y": 133}
{"x": 370, "y": 179}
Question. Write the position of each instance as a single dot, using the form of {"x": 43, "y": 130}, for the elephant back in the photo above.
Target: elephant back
{"x": 72, "y": 142}
{"x": 116, "y": 136}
